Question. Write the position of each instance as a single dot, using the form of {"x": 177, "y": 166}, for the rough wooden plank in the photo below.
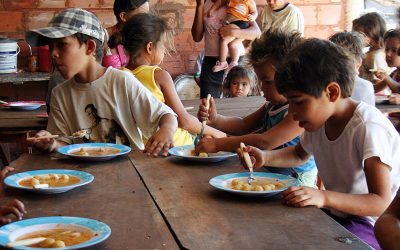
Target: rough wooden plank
{"x": 117, "y": 197}
{"x": 205, "y": 218}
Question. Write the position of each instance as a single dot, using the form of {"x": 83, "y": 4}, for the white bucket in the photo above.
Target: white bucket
{"x": 9, "y": 50}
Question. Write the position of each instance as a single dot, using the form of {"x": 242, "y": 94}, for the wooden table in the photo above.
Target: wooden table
{"x": 388, "y": 108}
{"x": 204, "y": 218}
{"x": 14, "y": 126}
{"x": 117, "y": 197}
{"x": 14, "y": 120}
{"x": 167, "y": 203}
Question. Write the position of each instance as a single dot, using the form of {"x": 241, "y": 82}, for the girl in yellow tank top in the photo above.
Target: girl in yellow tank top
{"x": 146, "y": 38}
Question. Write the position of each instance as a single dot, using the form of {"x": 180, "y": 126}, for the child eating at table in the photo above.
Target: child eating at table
{"x": 355, "y": 146}
{"x": 111, "y": 105}
{"x": 14, "y": 207}
{"x": 241, "y": 81}
{"x": 278, "y": 128}
{"x": 147, "y": 38}
{"x": 392, "y": 52}
{"x": 373, "y": 27}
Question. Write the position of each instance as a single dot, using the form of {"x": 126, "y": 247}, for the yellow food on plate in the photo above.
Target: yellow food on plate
{"x": 56, "y": 238}
{"x": 52, "y": 180}
{"x": 258, "y": 185}
{"x": 201, "y": 154}
{"x": 96, "y": 151}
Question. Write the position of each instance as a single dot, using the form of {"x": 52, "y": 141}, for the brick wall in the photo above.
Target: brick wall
{"x": 322, "y": 18}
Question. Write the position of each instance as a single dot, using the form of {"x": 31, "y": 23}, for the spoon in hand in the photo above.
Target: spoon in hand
{"x": 203, "y": 124}
{"x": 247, "y": 160}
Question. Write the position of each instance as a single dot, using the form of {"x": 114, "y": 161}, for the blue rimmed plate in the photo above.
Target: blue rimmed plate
{"x": 223, "y": 182}
{"x": 12, "y": 231}
{"x": 70, "y": 149}
{"x": 185, "y": 152}
{"x": 13, "y": 180}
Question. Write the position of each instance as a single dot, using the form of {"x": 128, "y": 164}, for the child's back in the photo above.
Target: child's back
{"x": 145, "y": 74}
{"x": 147, "y": 38}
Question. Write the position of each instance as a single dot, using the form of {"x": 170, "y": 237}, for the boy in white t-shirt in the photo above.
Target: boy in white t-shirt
{"x": 355, "y": 146}
{"x": 109, "y": 104}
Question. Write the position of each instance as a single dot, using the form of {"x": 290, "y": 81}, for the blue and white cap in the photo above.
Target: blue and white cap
{"x": 66, "y": 23}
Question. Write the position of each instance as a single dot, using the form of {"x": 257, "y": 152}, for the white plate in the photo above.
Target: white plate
{"x": 12, "y": 231}
{"x": 24, "y": 105}
{"x": 222, "y": 182}
{"x": 185, "y": 153}
{"x": 13, "y": 180}
{"x": 68, "y": 150}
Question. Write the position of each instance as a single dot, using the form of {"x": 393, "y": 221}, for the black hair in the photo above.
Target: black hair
{"x": 393, "y": 33}
{"x": 352, "y": 41}
{"x": 142, "y": 29}
{"x": 82, "y": 38}
{"x": 372, "y": 25}
{"x": 125, "y": 6}
{"x": 272, "y": 45}
{"x": 312, "y": 65}
{"x": 241, "y": 71}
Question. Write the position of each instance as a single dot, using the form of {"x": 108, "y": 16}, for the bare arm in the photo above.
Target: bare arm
{"x": 163, "y": 139}
{"x": 371, "y": 204}
{"x": 387, "y": 227}
{"x": 283, "y": 132}
{"x": 228, "y": 124}
{"x": 198, "y": 22}
{"x": 250, "y": 33}
{"x": 285, "y": 157}
{"x": 185, "y": 120}
{"x": 253, "y": 10}
{"x": 386, "y": 80}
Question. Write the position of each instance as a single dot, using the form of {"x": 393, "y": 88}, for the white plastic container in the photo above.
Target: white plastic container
{"x": 9, "y": 50}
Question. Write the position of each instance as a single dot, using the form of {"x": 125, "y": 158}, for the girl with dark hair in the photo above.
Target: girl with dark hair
{"x": 240, "y": 81}
{"x": 147, "y": 38}
{"x": 123, "y": 9}
{"x": 373, "y": 27}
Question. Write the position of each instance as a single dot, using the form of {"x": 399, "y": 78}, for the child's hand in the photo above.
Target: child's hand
{"x": 205, "y": 114}
{"x": 304, "y": 196}
{"x": 206, "y": 145}
{"x": 161, "y": 141}
{"x": 5, "y": 171}
{"x": 381, "y": 75}
{"x": 256, "y": 156}
{"x": 47, "y": 145}
{"x": 251, "y": 18}
{"x": 14, "y": 207}
{"x": 394, "y": 99}
{"x": 209, "y": 13}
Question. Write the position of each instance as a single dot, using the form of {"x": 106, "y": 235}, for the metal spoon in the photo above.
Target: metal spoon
{"x": 249, "y": 164}
{"x": 203, "y": 124}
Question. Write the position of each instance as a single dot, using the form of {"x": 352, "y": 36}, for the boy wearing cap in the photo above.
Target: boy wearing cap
{"x": 109, "y": 104}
